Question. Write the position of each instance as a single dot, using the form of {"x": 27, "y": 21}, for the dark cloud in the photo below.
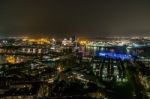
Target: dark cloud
{"x": 80, "y": 17}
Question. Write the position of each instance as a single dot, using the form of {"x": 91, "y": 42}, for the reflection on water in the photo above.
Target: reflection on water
{"x": 94, "y": 49}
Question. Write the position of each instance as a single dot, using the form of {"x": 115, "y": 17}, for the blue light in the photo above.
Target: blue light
{"x": 102, "y": 54}
{"x": 114, "y": 55}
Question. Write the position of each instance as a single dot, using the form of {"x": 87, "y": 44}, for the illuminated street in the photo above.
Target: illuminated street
{"x": 70, "y": 69}
{"x": 74, "y": 49}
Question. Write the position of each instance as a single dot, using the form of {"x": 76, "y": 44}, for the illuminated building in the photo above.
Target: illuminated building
{"x": 114, "y": 55}
{"x": 11, "y": 59}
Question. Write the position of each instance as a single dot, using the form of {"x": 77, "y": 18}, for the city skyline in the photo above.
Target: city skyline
{"x": 82, "y": 49}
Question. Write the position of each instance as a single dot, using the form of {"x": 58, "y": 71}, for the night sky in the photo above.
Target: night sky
{"x": 85, "y": 18}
